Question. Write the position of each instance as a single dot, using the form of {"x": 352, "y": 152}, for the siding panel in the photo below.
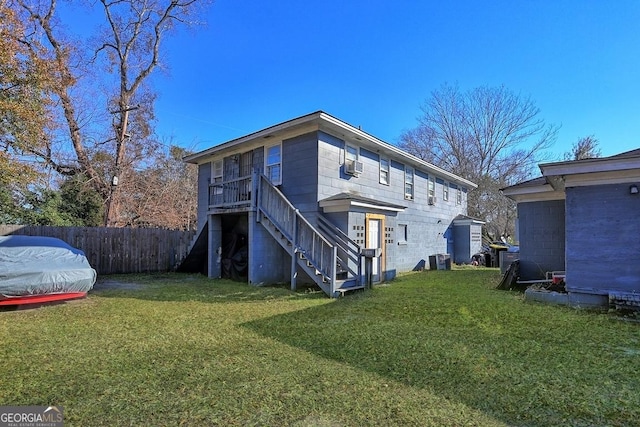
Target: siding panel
{"x": 602, "y": 239}
{"x": 542, "y": 237}
{"x": 426, "y": 224}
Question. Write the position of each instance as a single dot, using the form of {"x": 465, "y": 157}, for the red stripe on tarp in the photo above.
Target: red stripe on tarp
{"x": 37, "y": 299}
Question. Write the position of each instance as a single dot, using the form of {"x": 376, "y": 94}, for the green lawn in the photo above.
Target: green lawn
{"x": 434, "y": 348}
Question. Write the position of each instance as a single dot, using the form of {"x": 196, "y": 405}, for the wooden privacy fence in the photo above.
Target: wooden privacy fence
{"x": 118, "y": 250}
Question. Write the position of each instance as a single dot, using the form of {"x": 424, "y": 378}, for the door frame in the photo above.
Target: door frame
{"x": 382, "y": 264}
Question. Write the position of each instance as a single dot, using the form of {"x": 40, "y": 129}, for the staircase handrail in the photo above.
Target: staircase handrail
{"x": 344, "y": 242}
{"x": 304, "y": 236}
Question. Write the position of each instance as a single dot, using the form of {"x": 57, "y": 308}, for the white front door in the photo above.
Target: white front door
{"x": 374, "y": 229}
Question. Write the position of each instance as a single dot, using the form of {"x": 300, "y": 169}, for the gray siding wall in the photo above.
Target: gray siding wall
{"x": 300, "y": 172}
{"x": 258, "y": 159}
{"x": 204, "y": 178}
{"x": 300, "y": 182}
{"x": 426, "y": 224}
{"x": 603, "y": 243}
{"x": 391, "y": 248}
{"x": 312, "y": 170}
{"x": 462, "y": 244}
{"x": 268, "y": 262}
{"x": 468, "y": 242}
{"x": 542, "y": 238}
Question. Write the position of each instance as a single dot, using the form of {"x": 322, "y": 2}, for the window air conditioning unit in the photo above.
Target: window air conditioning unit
{"x": 354, "y": 167}
{"x": 432, "y": 200}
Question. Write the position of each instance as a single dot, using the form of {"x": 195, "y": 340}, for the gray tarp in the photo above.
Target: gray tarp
{"x": 34, "y": 265}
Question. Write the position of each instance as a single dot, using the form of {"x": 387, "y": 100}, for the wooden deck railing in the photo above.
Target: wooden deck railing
{"x": 232, "y": 193}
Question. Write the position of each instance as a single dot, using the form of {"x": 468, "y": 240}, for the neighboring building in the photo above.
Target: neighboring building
{"x": 581, "y": 217}
{"x": 299, "y": 200}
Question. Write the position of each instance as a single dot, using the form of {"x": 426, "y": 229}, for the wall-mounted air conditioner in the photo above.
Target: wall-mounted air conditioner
{"x": 354, "y": 167}
{"x": 432, "y": 200}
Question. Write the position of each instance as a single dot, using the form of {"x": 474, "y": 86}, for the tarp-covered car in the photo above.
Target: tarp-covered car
{"x": 40, "y": 269}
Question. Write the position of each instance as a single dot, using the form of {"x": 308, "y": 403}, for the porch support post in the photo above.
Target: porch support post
{"x": 294, "y": 252}
{"x": 214, "y": 243}
{"x": 255, "y": 202}
{"x": 334, "y": 261}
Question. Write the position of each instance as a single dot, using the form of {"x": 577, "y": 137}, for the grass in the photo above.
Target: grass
{"x": 434, "y": 348}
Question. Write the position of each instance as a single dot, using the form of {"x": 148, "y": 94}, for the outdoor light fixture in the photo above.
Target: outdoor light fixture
{"x": 633, "y": 189}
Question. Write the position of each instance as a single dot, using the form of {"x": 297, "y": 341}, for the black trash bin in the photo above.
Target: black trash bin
{"x": 433, "y": 262}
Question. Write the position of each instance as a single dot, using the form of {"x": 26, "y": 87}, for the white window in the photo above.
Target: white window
{"x": 445, "y": 191}
{"x": 273, "y": 164}
{"x": 459, "y": 196}
{"x": 431, "y": 189}
{"x": 402, "y": 235}
{"x": 217, "y": 176}
{"x": 384, "y": 171}
{"x": 350, "y": 153}
{"x": 408, "y": 183}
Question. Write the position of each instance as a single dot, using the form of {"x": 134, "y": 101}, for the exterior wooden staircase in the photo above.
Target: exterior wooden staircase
{"x": 349, "y": 261}
{"x": 331, "y": 259}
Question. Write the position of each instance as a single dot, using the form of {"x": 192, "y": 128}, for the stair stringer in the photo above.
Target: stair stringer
{"x": 286, "y": 242}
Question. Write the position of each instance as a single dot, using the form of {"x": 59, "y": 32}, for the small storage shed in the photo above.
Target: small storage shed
{"x": 467, "y": 238}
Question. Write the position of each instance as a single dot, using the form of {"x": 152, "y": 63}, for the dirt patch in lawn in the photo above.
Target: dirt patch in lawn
{"x": 111, "y": 285}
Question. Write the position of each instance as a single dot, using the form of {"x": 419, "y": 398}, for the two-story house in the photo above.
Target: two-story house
{"x": 297, "y": 201}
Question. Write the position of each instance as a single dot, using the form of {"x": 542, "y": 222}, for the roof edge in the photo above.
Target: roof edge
{"x": 322, "y": 116}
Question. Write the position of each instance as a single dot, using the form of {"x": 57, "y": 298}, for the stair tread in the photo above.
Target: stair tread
{"x": 339, "y": 274}
{"x": 348, "y": 285}
{"x": 342, "y": 291}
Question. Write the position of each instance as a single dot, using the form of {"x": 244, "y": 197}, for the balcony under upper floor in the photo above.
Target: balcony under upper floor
{"x": 232, "y": 195}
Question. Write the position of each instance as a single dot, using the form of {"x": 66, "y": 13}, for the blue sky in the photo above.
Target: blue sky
{"x": 373, "y": 63}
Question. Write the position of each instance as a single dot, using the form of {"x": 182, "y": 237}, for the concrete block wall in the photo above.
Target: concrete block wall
{"x": 300, "y": 172}
{"x": 268, "y": 262}
{"x": 542, "y": 238}
{"x": 603, "y": 239}
{"x": 426, "y": 224}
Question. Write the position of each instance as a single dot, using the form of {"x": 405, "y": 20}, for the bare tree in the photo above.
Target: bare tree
{"x": 100, "y": 91}
{"x": 584, "y": 148}
{"x": 162, "y": 195}
{"x": 488, "y": 135}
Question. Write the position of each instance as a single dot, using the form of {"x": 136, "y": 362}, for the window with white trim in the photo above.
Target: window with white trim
{"x": 408, "y": 183}
{"x": 273, "y": 164}
{"x": 350, "y": 152}
{"x": 445, "y": 191}
{"x": 459, "y": 196}
{"x": 431, "y": 186}
{"x": 402, "y": 234}
{"x": 384, "y": 171}
{"x": 217, "y": 176}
